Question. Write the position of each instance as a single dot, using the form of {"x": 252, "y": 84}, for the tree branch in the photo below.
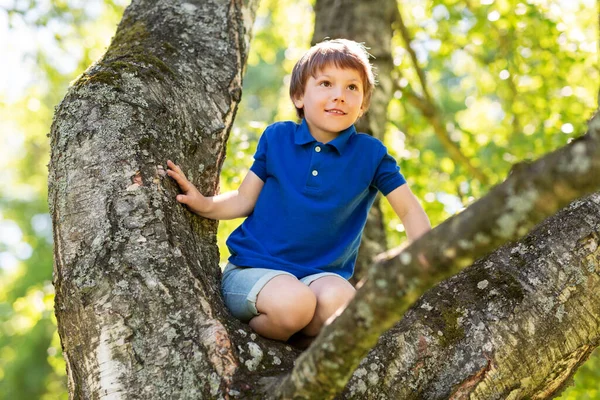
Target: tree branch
{"x": 519, "y": 321}
{"x": 531, "y": 193}
{"x": 430, "y": 110}
{"x": 413, "y": 57}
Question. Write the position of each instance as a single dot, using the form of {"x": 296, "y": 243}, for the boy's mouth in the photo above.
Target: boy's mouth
{"x": 335, "y": 111}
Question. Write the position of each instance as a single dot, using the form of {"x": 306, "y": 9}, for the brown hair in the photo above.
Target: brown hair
{"x": 343, "y": 53}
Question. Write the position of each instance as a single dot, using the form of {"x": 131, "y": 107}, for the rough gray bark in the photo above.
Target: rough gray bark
{"x": 136, "y": 274}
{"x": 368, "y": 22}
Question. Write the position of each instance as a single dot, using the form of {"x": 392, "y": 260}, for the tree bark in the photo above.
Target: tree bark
{"x": 368, "y": 22}
{"x": 137, "y": 278}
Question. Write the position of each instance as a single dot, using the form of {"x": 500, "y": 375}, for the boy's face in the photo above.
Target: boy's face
{"x": 332, "y": 101}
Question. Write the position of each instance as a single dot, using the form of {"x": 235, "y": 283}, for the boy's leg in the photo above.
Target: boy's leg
{"x": 286, "y": 305}
{"x": 332, "y": 293}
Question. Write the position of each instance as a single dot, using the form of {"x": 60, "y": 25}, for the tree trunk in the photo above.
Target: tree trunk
{"x": 368, "y": 22}
{"x": 137, "y": 278}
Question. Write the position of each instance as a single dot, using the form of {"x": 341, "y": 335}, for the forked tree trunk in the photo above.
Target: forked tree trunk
{"x": 137, "y": 279}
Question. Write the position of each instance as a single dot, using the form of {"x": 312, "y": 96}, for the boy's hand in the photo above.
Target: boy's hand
{"x": 191, "y": 197}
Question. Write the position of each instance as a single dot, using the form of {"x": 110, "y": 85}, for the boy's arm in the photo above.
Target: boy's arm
{"x": 408, "y": 208}
{"x": 230, "y": 205}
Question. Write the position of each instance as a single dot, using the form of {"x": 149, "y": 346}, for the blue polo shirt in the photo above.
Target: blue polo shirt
{"x": 312, "y": 209}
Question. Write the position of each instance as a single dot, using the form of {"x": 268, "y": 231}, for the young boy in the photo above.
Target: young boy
{"x": 306, "y": 199}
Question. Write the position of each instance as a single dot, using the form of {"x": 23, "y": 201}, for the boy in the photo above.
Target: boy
{"x": 306, "y": 199}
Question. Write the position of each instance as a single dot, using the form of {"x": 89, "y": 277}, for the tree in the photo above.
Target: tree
{"x": 129, "y": 264}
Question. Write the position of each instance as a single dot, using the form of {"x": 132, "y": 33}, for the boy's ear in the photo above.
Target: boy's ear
{"x": 299, "y": 102}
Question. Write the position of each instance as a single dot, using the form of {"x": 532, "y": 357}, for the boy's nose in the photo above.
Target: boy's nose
{"x": 339, "y": 95}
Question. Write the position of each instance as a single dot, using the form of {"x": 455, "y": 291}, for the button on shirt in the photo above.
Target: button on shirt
{"x": 312, "y": 209}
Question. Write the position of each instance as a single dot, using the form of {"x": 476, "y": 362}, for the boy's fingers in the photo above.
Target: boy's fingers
{"x": 175, "y": 168}
{"x": 178, "y": 170}
{"x": 170, "y": 165}
{"x": 180, "y": 179}
{"x": 181, "y": 198}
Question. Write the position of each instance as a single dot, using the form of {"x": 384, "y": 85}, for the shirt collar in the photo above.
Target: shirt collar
{"x": 303, "y": 136}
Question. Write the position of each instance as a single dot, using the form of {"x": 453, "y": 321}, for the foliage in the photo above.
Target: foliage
{"x": 510, "y": 81}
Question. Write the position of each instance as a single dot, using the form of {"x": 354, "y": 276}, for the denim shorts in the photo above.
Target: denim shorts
{"x": 240, "y": 287}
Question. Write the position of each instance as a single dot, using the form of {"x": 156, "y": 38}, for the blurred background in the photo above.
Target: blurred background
{"x": 510, "y": 81}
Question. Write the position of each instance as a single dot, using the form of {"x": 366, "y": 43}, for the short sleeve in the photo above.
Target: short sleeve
{"x": 259, "y": 167}
{"x": 387, "y": 175}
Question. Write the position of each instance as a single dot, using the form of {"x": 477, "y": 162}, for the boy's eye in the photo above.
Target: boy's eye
{"x": 353, "y": 87}
{"x": 325, "y": 83}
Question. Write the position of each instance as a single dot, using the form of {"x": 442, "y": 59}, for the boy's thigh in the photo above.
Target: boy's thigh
{"x": 241, "y": 286}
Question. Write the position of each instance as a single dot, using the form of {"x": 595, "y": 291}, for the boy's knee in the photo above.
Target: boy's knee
{"x": 335, "y": 297}
{"x": 293, "y": 309}
{"x": 297, "y": 310}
